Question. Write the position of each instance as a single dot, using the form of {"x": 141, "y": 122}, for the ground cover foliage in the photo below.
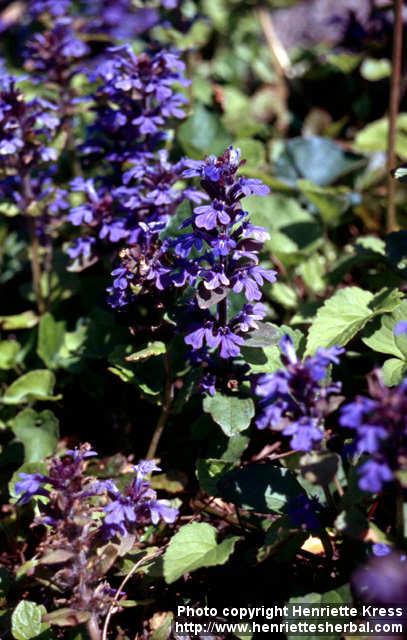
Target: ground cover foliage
{"x": 203, "y": 322}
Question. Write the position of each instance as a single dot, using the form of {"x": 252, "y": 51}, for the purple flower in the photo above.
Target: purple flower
{"x": 137, "y": 505}
{"x": 209, "y": 216}
{"x": 30, "y": 485}
{"x": 306, "y": 433}
{"x": 296, "y": 399}
{"x": 379, "y": 423}
{"x": 400, "y": 328}
{"x": 380, "y": 549}
{"x": 382, "y": 580}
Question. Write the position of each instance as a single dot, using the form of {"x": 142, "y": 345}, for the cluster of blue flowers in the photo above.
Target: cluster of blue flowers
{"x": 136, "y": 191}
{"x": 216, "y": 257}
{"x": 28, "y": 129}
{"x": 379, "y": 422}
{"x": 82, "y": 514}
{"x": 68, "y": 489}
{"x": 296, "y": 400}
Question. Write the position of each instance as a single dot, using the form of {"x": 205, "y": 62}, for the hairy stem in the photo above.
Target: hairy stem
{"x": 34, "y": 244}
{"x": 119, "y": 591}
{"x": 391, "y": 219}
{"x": 166, "y": 408}
{"x": 93, "y": 629}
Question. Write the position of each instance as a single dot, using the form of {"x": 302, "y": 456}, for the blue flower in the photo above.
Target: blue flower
{"x": 296, "y": 399}
{"x": 379, "y": 422}
{"x": 30, "y": 485}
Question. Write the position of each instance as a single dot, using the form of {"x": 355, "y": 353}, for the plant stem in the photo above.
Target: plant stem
{"x": 391, "y": 220}
{"x": 93, "y": 630}
{"x": 329, "y": 497}
{"x": 166, "y": 408}
{"x": 327, "y": 544}
{"x": 34, "y": 244}
{"x": 279, "y": 56}
{"x": 123, "y": 583}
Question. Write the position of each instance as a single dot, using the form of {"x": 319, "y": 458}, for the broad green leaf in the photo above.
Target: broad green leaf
{"x": 317, "y": 159}
{"x": 153, "y": 349}
{"x": 25, "y": 320}
{"x": 253, "y": 152}
{"x": 39, "y": 433}
{"x": 312, "y": 272}
{"x": 232, "y": 413}
{"x": 386, "y": 300}
{"x": 34, "y": 385}
{"x": 261, "y": 487}
{"x": 374, "y": 69}
{"x": 58, "y": 347}
{"x": 164, "y": 630}
{"x": 209, "y": 472}
{"x": 9, "y": 350}
{"x": 26, "y": 620}
{"x": 284, "y": 295}
{"x": 67, "y": 617}
{"x": 51, "y": 335}
{"x": 394, "y": 371}
{"x": 203, "y": 133}
{"x": 194, "y": 546}
{"x": 374, "y": 136}
{"x": 344, "y": 314}
{"x": 266, "y": 335}
{"x": 383, "y": 339}
{"x": 331, "y": 202}
{"x": 341, "y": 595}
{"x": 9, "y": 209}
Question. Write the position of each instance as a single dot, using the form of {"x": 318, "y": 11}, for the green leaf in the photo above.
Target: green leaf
{"x": 194, "y": 546}
{"x": 58, "y": 347}
{"x": 203, "y": 133}
{"x": 51, "y": 334}
{"x": 284, "y": 295}
{"x": 253, "y": 152}
{"x": 331, "y": 202}
{"x": 393, "y": 371}
{"x": 26, "y": 620}
{"x": 265, "y": 335}
{"x": 373, "y": 137}
{"x": 67, "y": 617}
{"x": 34, "y": 385}
{"x": 25, "y": 320}
{"x": 164, "y": 630}
{"x": 374, "y": 69}
{"x": 9, "y": 350}
{"x": 9, "y": 209}
{"x": 153, "y": 349}
{"x": 341, "y": 595}
{"x": 209, "y": 472}
{"x": 344, "y": 314}
{"x": 319, "y": 160}
{"x": 39, "y": 433}
{"x": 232, "y": 413}
{"x": 261, "y": 487}
{"x": 383, "y": 339}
